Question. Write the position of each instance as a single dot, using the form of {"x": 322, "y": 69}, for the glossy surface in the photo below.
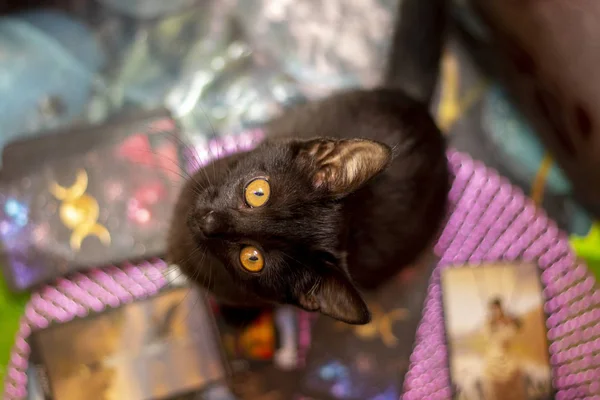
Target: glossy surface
{"x": 92, "y": 205}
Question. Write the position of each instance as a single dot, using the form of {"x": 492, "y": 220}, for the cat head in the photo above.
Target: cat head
{"x": 275, "y": 222}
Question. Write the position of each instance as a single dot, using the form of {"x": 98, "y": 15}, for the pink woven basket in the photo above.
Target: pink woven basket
{"x": 490, "y": 220}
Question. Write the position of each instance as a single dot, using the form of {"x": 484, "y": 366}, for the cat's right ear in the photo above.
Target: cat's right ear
{"x": 335, "y": 296}
{"x": 343, "y": 165}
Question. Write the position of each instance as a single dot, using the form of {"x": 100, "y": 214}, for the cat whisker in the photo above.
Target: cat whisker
{"x": 301, "y": 263}
{"x": 206, "y": 173}
{"x": 193, "y": 278}
{"x": 180, "y": 171}
{"x": 184, "y": 261}
{"x": 214, "y": 132}
{"x": 172, "y": 280}
{"x": 214, "y": 169}
{"x": 185, "y": 145}
{"x": 208, "y": 286}
{"x": 170, "y": 269}
{"x": 202, "y": 294}
{"x": 395, "y": 151}
{"x": 292, "y": 258}
{"x": 314, "y": 287}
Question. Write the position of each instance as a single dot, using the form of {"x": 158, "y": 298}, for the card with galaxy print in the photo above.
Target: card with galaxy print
{"x": 165, "y": 347}
{"x": 90, "y": 198}
{"x": 368, "y": 362}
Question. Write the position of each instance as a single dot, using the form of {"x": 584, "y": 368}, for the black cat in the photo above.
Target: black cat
{"x": 343, "y": 193}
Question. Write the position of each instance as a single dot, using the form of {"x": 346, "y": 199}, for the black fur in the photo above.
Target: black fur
{"x": 309, "y": 236}
{"x": 330, "y": 226}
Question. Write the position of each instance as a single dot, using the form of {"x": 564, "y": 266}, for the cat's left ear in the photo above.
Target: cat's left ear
{"x": 342, "y": 166}
{"x": 334, "y": 295}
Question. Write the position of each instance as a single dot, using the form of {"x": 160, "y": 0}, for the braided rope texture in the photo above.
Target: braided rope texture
{"x": 77, "y": 297}
{"x": 491, "y": 221}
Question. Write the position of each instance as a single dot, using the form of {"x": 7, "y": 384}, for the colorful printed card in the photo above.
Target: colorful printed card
{"x": 496, "y": 332}
{"x": 162, "y": 348}
{"x": 93, "y": 198}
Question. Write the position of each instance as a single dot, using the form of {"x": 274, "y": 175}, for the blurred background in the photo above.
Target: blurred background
{"x": 514, "y": 91}
{"x": 518, "y": 87}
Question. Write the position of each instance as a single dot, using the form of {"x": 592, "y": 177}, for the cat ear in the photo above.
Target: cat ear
{"x": 335, "y": 296}
{"x": 342, "y": 166}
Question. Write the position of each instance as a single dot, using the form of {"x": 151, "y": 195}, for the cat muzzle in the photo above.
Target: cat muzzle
{"x": 213, "y": 224}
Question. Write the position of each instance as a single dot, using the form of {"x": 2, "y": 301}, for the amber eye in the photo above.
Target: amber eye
{"x": 251, "y": 259}
{"x": 257, "y": 192}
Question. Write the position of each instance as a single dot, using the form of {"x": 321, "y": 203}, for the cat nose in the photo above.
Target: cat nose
{"x": 209, "y": 223}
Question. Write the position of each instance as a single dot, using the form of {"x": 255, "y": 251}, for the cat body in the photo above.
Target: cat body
{"x": 388, "y": 222}
{"x": 342, "y": 194}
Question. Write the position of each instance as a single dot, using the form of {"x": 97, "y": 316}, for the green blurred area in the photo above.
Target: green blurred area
{"x": 11, "y": 309}
{"x": 588, "y": 248}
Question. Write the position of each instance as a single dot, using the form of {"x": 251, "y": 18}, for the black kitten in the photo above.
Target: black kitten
{"x": 343, "y": 193}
